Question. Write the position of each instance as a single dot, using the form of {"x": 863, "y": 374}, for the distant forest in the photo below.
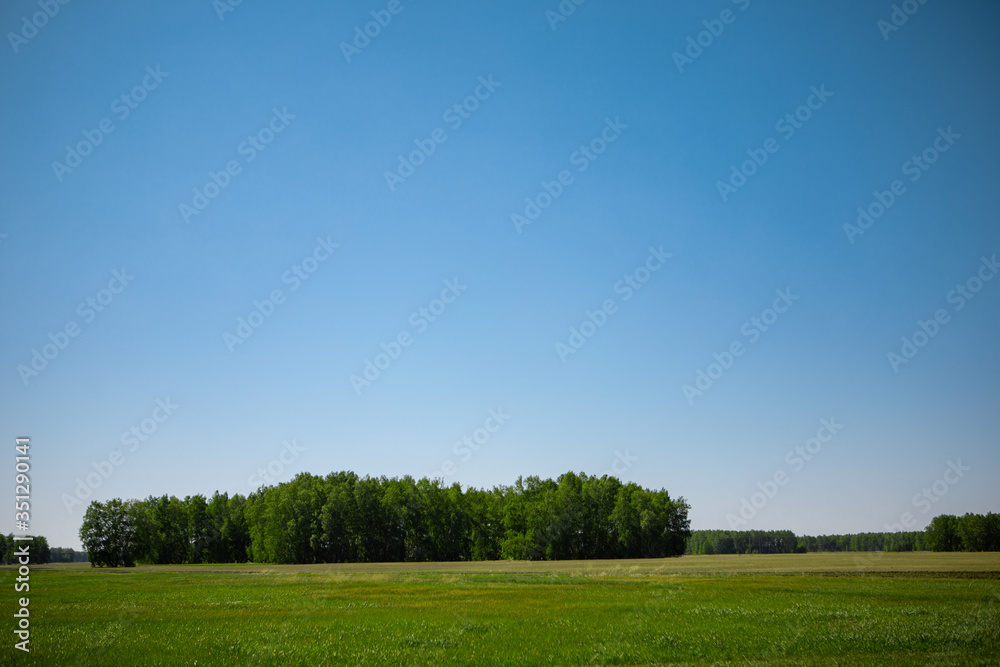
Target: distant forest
{"x": 707, "y": 542}
{"x": 63, "y": 555}
{"x": 345, "y": 518}
{"x": 972, "y": 532}
{"x": 38, "y": 550}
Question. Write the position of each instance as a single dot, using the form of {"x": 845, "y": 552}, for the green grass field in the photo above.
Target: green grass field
{"x": 810, "y": 609}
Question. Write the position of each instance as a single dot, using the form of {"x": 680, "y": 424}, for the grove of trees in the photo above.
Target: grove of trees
{"x": 742, "y": 542}
{"x": 65, "y": 555}
{"x": 346, "y": 518}
{"x": 38, "y": 549}
{"x": 972, "y": 532}
{"x": 786, "y": 542}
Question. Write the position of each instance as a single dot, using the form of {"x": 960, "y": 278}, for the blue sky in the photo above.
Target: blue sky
{"x": 328, "y": 130}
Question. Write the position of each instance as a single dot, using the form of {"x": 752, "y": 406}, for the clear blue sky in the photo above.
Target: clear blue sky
{"x": 656, "y": 184}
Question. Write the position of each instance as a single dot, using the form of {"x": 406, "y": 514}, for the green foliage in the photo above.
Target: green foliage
{"x": 912, "y": 541}
{"x": 108, "y": 533}
{"x": 38, "y": 550}
{"x": 786, "y": 542}
{"x": 742, "y": 542}
{"x": 65, "y": 555}
{"x": 165, "y": 530}
{"x": 972, "y": 532}
{"x": 344, "y": 518}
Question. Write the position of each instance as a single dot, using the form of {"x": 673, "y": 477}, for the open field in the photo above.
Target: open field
{"x": 810, "y": 609}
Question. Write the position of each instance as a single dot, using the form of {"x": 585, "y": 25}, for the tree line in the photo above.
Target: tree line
{"x": 787, "y": 542}
{"x": 38, "y": 549}
{"x": 344, "y": 518}
{"x": 893, "y": 542}
{"x": 66, "y": 555}
{"x": 971, "y": 532}
{"x": 710, "y": 542}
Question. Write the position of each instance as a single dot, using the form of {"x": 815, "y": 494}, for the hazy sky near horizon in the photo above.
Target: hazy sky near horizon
{"x": 257, "y": 238}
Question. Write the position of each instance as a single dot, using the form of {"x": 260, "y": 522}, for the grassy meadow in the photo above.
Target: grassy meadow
{"x": 811, "y": 609}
